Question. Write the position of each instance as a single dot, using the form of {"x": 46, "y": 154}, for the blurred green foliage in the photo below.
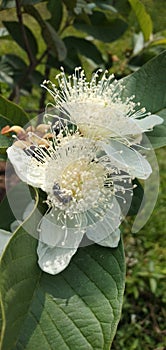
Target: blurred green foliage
{"x": 142, "y": 325}
{"x": 109, "y": 35}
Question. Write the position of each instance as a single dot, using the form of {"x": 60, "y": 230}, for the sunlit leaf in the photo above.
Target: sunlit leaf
{"x": 143, "y": 18}
{"x": 13, "y": 112}
{"x": 54, "y": 43}
{"x": 14, "y": 28}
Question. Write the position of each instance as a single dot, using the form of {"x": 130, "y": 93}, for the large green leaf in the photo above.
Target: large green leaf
{"x": 14, "y": 113}
{"x": 15, "y": 31}
{"x": 77, "y": 309}
{"x": 143, "y": 18}
{"x": 148, "y": 86}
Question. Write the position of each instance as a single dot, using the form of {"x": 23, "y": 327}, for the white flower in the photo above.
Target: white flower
{"x": 97, "y": 108}
{"x": 83, "y": 187}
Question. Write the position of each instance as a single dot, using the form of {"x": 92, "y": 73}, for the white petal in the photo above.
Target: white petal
{"x": 102, "y": 229}
{"x": 32, "y": 174}
{"x": 53, "y": 260}
{"x": 52, "y": 234}
{"x": 127, "y": 159}
{"x": 122, "y": 125}
{"x": 4, "y": 238}
{"x": 147, "y": 123}
{"x": 15, "y": 224}
{"x": 28, "y": 209}
{"x": 112, "y": 240}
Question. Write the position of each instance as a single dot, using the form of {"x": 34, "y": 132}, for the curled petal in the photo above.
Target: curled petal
{"x": 147, "y": 123}
{"x": 53, "y": 260}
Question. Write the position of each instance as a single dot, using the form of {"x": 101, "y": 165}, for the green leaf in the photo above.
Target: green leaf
{"x": 56, "y": 13}
{"x": 17, "y": 288}
{"x": 148, "y": 86}
{"x": 7, "y": 216}
{"x": 15, "y": 31}
{"x": 76, "y": 309}
{"x": 70, "y": 4}
{"x": 12, "y": 68}
{"x": 158, "y": 136}
{"x": 102, "y": 28}
{"x": 54, "y": 43}
{"x": 4, "y": 143}
{"x": 7, "y": 4}
{"x": 143, "y": 18}
{"x": 12, "y": 3}
{"x": 76, "y": 46}
{"x": 10, "y": 212}
{"x": 14, "y": 113}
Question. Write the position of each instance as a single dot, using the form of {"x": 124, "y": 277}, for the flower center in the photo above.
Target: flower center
{"x": 84, "y": 181}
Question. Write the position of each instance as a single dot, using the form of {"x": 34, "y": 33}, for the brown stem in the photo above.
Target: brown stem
{"x": 23, "y": 32}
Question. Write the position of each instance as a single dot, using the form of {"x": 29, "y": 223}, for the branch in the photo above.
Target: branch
{"x": 25, "y": 39}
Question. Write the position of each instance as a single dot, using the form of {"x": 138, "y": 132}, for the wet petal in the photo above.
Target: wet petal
{"x": 52, "y": 234}
{"x": 102, "y": 229}
{"x": 53, "y": 260}
{"x": 112, "y": 240}
{"x": 147, "y": 123}
{"x": 15, "y": 224}
{"x": 29, "y": 208}
{"x": 127, "y": 159}
{"x": 121, "y": 125}
{"x": 26, "y": 169}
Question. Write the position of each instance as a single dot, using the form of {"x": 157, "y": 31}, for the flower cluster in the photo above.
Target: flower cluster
{"x": 85, "y": 160}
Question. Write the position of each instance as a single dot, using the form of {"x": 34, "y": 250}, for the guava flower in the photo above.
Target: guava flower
{"x": 83, "y": 186}
{"x": 97, "y": 107}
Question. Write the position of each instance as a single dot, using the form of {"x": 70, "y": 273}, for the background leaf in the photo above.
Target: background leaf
{"x": 77, "y": 309}
{"x": 143, "y": 18}
{"x": 14, "y": 113}
{"x": 54, "y": 43}
{"x": 158, "y": 136}
{"x": 103, "y": 28}
{"x": 5, "y": 142}
{"x": 14, "y": 29}
{"x": 148, "y": 86}
{"x": 56, "y": 13}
